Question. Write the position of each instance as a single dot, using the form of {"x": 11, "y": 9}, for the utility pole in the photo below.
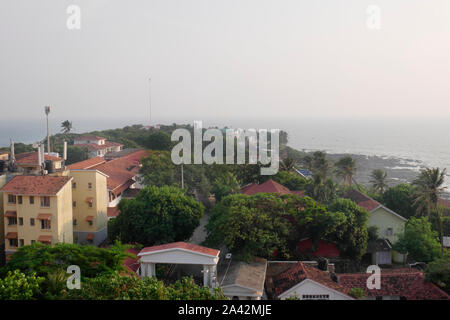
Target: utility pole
{"x": 182, "y": 176}
{"x": 150, "y": 98}
{"x": 47, "y": 111}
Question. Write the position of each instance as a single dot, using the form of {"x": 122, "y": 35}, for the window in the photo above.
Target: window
{"x": 12, "y": 221}
{"x": 74, "y": 222}
{"x": 20, "y": 221}
{"x": 389, "y": 232}
{"x": 90, "y": 204}
{"x": 74, "y": 204}
{"x": 45, "y": 201}
{"x": 74, "y": 185}
{"x": 91, "y": 222}
{"x": 19, "y": 199}
{"x": 31, "y": 200}
{"x": 13, "y": 243}
{"x": 90, "y": 185}
{"x": 22, "y": 243}
{"x": 33, "y": 241}
{"x": 45, "y": 224}
{"x": 31, "y": 221}
{"x": 11, "y": 198}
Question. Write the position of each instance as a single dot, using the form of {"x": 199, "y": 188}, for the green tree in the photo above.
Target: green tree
{"x": 66, "y": 127}
{"x": 156, "y": 215}
{"x": 378, "y": 180}
{"x": 320, "y": 164}
{"x": 76, "y": 154}
{"x": 307, "y": 161}
{"x": 321, "y": 189}
{"x": 438, "y": 271}
{"x": 357, "y": 293}
{"x": 429, "y": 189}
{"x": 158, "y": 140}
{"x": 419, "y": 240}
{"x": 287, "y": 164}
{"x": 158, "y": 170}
{"x": 290, "y": 180}
{"x": 400, "y": 199}
{"x": 345, "y": 169}
{"x": 224, "y": 185}
{"x": 249, "y": 225}
{"x": 118, "y": 287}
{"x": 352, "y": 237}
{"x": 18, "y": 286}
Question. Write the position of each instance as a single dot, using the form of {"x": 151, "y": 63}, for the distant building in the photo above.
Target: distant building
{"x": 28, "y": 163}
{"x": 37, "y": 208}
{"x": 97, "y": 146}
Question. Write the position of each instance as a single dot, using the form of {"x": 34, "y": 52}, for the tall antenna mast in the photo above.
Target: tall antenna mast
{"x": 150, "y": 98}
{"x": 47, "y": 111}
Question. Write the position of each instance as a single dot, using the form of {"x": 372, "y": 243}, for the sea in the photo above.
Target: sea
{"x": 415, "y": 142}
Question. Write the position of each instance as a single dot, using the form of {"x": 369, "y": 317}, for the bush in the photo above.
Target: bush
{"x": 18, "y": 286}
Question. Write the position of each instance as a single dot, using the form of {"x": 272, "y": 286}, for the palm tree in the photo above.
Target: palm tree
{"x": 321, "y": 189}
{"x": 346, "y": 168}
{"x": 66, "y": 126}
{"x": 378, "y": 180}
{"x": 320, "y": 163}
{"x": 287, "y": 164}
{"x": 307, "y": 161}
{"x": 429, "y": 188}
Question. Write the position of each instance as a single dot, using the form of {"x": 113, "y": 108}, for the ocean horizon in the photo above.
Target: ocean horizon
{"x": 417, "y": 143}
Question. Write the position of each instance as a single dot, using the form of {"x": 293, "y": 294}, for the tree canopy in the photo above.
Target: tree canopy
{"x": 157, "y": 215}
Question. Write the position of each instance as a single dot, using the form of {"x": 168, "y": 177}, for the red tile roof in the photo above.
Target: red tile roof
{"x": 269, "y": 186}
{"x": 181, "y": 245}
{"x": 86, "y": 164}
{"x": 407, "y": 283}
{"x": 35, "y": 185}
{"x": 301, "y": 271}
{"x": 113, "y": 211}
{"x": 121, "y": 170}
{"x": 32, "y": 157}
{"x": 362, "y": 200}
{"x": 89, "y": 138}
{"x": 132, "y": 264}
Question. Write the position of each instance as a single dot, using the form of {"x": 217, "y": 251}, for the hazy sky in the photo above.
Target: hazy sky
{"x": 224, "y": 59}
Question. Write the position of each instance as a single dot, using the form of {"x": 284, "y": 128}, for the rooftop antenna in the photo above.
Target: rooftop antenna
{"x": 12, "y": 155}
{"x": 150, "y": 98}
{"x": 47, "y": 111}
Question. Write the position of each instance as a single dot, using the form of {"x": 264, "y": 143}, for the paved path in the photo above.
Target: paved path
{"x": 200, "y": 234}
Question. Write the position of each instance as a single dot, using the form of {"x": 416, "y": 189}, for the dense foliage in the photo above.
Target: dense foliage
{"x": 18, "y": 286}
{"x": 117, "y": 287}
{"x": 44, "y": 259}
{"x": 438, "y": 271}
{"x": 400, "y": 199}
{"x": 419, "y": 240}
{"x": 352, "y": 236}
{"x": 156, "y": 215}
{"x": 269, "y": 225}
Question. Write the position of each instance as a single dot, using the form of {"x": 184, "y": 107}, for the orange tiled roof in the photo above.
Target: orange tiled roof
{"x": 181, "y": 245}
{"x": 113, "y": 211}
{"x": 33, "y": 158}
{"x": 407, "y": 283}
{"x": 35, "y": 185}
{"x": 301, "y": 271}
{"x": 269, "y": 186}
{"x": 86, "y": 164}
{"x": 121, "y": 170}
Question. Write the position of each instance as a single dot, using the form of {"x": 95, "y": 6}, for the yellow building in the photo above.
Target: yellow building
{"x": 89, "y": 205}
{"x": 37, "y": 208}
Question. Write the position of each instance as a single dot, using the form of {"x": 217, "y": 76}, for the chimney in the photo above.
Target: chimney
{"x": 12, "y": 155}
{"x": 39, "y": 155}
{"x": 65, "y": 150}
{"x": 330, "y": 268}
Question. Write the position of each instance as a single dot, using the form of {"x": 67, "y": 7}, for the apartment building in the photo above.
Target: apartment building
{"x": 97, "y": 146}
{"x": 37, "y": 208}
{"x": 97, "y": 188}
